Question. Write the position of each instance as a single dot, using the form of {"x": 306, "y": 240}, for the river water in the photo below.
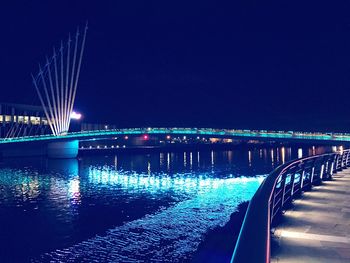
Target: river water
{"x": 146, "y": 207}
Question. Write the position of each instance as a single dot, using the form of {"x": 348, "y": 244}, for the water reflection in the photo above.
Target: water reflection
{"x": 28, "y": 189}
{"x": 229, "y": 156}
{"x": 63, "y": 166}
{"x": 171, "y": 235}
{"x": 191, "y": 160}
{"x": 283, "y": 154}
{"x": 157, "y": 182}
{"x": 168, "y": 162}
{"x": 116, "y": 162}
{"x": 71, "y": 201}
{"x": 74, "y": 190}
{"x": 272, "y": 158}
{"x": 300, "y": 152}
{"x": 250, "y": 158}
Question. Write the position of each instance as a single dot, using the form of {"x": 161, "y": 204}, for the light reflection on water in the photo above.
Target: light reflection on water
{"x": 141, "y": 206}
{"x": 156, "y": 182}
{"x": 171, "y": 235}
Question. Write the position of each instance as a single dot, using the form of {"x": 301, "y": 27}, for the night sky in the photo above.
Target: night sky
{"x": 282, "y": 65}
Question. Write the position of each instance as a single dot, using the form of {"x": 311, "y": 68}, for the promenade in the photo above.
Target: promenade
{"x": 317, "y": 227}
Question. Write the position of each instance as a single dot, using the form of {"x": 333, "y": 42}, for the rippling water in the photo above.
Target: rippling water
{"x": 126, "y": 208}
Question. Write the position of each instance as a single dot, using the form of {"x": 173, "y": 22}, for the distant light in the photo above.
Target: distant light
{"x": 106, "y": 127}
{"x": 168, "y": 137}
{"x": 300, "y": 153}
{"x": 341, "y": 149}
{"x": 126, "y": 137}
{"x": 184, "y": 137}
{"x": 145, "y": 137}
{"x": 75, "y": 116}
{"x": 123, "y": 146}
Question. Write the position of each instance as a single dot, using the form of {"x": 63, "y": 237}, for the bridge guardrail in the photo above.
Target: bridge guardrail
{"x": 275, "y": 194}
{"x": 263, "y": 134}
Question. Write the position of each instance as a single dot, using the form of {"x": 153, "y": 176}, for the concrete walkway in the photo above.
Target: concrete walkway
{"x": 317, "y": 227}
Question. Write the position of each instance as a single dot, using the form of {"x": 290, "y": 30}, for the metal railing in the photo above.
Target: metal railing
{"x": 275, "y": 194}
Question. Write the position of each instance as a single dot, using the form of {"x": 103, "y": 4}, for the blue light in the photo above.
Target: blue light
{"x": 343, "y": 137}
{"x": 175, "y": 231}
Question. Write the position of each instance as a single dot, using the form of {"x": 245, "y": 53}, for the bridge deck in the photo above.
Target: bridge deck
{"x": 317, "y": 228}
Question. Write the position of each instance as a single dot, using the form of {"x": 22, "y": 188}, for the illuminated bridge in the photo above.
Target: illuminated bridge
{"x": 67, "y": 145}
{"x": 217, "y": 133}
{"x": 56, "y": 85}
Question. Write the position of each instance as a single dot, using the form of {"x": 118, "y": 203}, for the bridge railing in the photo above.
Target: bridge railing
{"x": 230, "y": 133}
{"x": 275, "y": 194}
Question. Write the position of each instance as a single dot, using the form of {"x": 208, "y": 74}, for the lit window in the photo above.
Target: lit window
{"x": 34, "y": 120}
{"x": 26, "y": 119}
{"x": 7, "y": 118}
{"x": 20, "y": 119}
{"x": 1, "y": 118}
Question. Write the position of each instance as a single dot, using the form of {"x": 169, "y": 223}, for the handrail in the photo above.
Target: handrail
{"x": 275, "y": 194}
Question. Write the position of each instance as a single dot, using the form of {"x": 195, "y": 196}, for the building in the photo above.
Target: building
{"x": 25, "y": 120}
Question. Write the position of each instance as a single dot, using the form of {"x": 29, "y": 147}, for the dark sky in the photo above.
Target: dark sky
{"x": 235, "y": 64}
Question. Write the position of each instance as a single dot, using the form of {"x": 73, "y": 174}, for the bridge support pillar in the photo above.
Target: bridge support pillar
{"x": 65, "y": 149}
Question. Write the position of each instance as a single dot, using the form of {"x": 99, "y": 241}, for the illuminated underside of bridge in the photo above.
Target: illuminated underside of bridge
{"x": 214, "y": 133}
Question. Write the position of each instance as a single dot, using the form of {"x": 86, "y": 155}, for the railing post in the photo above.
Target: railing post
{"x": 302, "y": 179}
{"x": 292, "y": 182}
{"x": 332, "y": 168}
{"x": 326, "y": 168}
{"x": 272, "y": 206}
{"x": 338, "y": 161}
{"x": 322, "y": 172}
{"x": 284, "y": 188}
{"x": 301, "y": 171}
{"x": 312, "y": 175}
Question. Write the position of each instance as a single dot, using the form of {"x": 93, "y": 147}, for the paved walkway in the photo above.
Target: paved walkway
{"x": 317, "y": 228}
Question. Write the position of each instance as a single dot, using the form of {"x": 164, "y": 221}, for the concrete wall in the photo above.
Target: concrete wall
{"x": 56, "y": 150}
